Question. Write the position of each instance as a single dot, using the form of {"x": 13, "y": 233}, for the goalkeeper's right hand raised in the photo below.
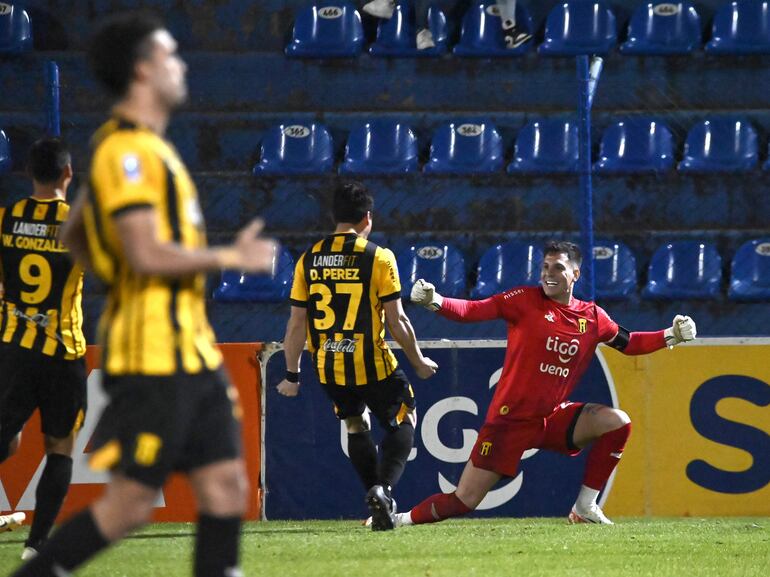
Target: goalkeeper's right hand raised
{"x": 424, "y": 293}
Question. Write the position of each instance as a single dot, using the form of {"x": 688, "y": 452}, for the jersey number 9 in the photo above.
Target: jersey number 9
{"x": 35, "y": 272}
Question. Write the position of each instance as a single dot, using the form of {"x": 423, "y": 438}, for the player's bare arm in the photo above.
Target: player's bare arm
{"x": 73, "y": 233}
{"x": 400, "y": 328}
{"x": 293, "y": 344}
{"x": 146, "y": 254}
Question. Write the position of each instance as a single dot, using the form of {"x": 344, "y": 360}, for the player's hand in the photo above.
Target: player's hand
{"x": 424, "y": 293}
{"x": 250, "y": 252}
{"x": 287, "y": 388}
{"x": 683, "y": 329}
{"x": 426, "y": 369}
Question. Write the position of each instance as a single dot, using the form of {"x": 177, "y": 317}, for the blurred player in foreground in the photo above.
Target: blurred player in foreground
{"x": 139, "y": 226}
{"x": 346, "y": 289}
{"x": 552, "y": 337}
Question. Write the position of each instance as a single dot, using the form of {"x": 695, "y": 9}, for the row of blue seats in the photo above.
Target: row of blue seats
{"x": 678, "y": 270}
{"x": 333, "y": 29}
{"x": 638, "y": 144}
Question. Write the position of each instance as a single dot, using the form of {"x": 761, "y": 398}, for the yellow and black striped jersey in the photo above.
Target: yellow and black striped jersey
{"x": 41, "y": 307}
{"x": 151, "y": 325}
{"x": 343, "y": 281}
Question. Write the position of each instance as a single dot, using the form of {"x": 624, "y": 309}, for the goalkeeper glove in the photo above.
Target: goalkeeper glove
{"x": 682, "y": 330}
{"x": 424, "y": 293}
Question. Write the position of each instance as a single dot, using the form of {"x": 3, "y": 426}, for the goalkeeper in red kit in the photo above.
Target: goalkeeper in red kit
{"x": 552, "y": 337}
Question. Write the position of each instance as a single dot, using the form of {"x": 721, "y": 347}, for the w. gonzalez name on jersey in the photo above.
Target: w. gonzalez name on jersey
{"x": 343, "y": 281}
{"x": 41, "y": 307}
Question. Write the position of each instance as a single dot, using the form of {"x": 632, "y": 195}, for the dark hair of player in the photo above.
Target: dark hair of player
{"x": 119, "y": 43}
{"x": 573, "y": 252}
{"x": 48, "y": 157}
{"x": 351, "y": 202}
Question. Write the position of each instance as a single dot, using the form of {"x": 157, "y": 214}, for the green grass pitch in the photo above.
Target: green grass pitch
{"x": 485, "y": 547}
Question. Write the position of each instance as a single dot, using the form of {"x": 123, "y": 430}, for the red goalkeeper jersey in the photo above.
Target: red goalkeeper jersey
{"x": 550, "y": 346}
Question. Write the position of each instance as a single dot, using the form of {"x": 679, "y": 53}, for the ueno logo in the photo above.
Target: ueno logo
{"x": 330, "y": 12}
{"x": 296, "y": 131}
{"x": 666, "y": 9}
{"x": 566, "y": 352}
{"x": 470, "y": 129}
{"x": 5, "y": 9}
{"x": 603, "y": 252}
{"x": 430, "y": 252}
{"x": 763, "y": 249}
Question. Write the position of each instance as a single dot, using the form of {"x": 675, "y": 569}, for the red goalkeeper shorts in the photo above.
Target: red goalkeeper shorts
{"x": 499, "y": 446}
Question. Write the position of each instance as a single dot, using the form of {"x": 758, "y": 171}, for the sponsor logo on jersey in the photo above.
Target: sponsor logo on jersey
{"x": 512, "y": 293}
{"x": 566, "y": 351}
{"x": 549, "y": 317}
{"x": 341, "y": 346}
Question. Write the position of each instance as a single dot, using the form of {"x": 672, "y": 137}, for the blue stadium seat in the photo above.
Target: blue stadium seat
{"x": 5, "y": 153}
{"x": 380, "y": 147}
{"x": 741, "y": 27}
{"x": 750, "y": 276}
{"x": 327, "y": 29}
{"x": 614, "y": 272}
{"x": 296, "y": 148}
{"x": 636, "y": 145}
{"x": 663, "y": 28}
{"x": 481, "y": 34}
{"x": 723, "y": 144}
{"x": 15, "y": 30}
{"x": 465, "y": 148}
{"x": 686, "y": 269}
{"x": 546, "y": 146}
{"x": 437, "y": 262}
{"x": 271, "y": 287}
{"x": 508, "y": 265}
{"x": 579, "y": 27}
{"x": 396, "y": 36}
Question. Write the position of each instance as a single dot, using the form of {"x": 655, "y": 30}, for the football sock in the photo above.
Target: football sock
{"x": 363, "y": 455}
{"x": 437, "y": 508}
{"x": 396, "y": 446}
{"x": 217, "y": 546}
{"x": 73, "y": 544}
{"x": 49, "y": 496}
{"x": 586, "y": 498}
{"x": 604, "y": 457}
{"x": 507, "y": 13}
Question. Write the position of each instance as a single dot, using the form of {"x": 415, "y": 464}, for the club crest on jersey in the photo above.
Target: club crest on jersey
{"x": 549, "y": 317}
{"x": 582, "y": 325}
{"x": 486, "y": 446}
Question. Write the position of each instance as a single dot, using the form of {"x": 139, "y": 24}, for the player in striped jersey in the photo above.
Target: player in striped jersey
{"x": 41, "y": 336}
{"x": 346, "y": 289}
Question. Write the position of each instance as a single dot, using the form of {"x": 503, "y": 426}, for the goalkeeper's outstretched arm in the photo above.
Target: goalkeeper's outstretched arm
{"x": 424, "y": 293}
{"x": 682, "y": 330}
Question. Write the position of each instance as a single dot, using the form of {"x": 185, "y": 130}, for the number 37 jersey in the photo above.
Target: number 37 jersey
{"x": 343, "y": 281}
{"x": 41, "y": 308}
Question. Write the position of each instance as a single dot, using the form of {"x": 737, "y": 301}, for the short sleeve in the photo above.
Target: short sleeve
{"x": 299, "y": 294}
{"x": 608, "y": 329}
{"x": 386, "y": 275}
{"x": 127, "y": 175}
